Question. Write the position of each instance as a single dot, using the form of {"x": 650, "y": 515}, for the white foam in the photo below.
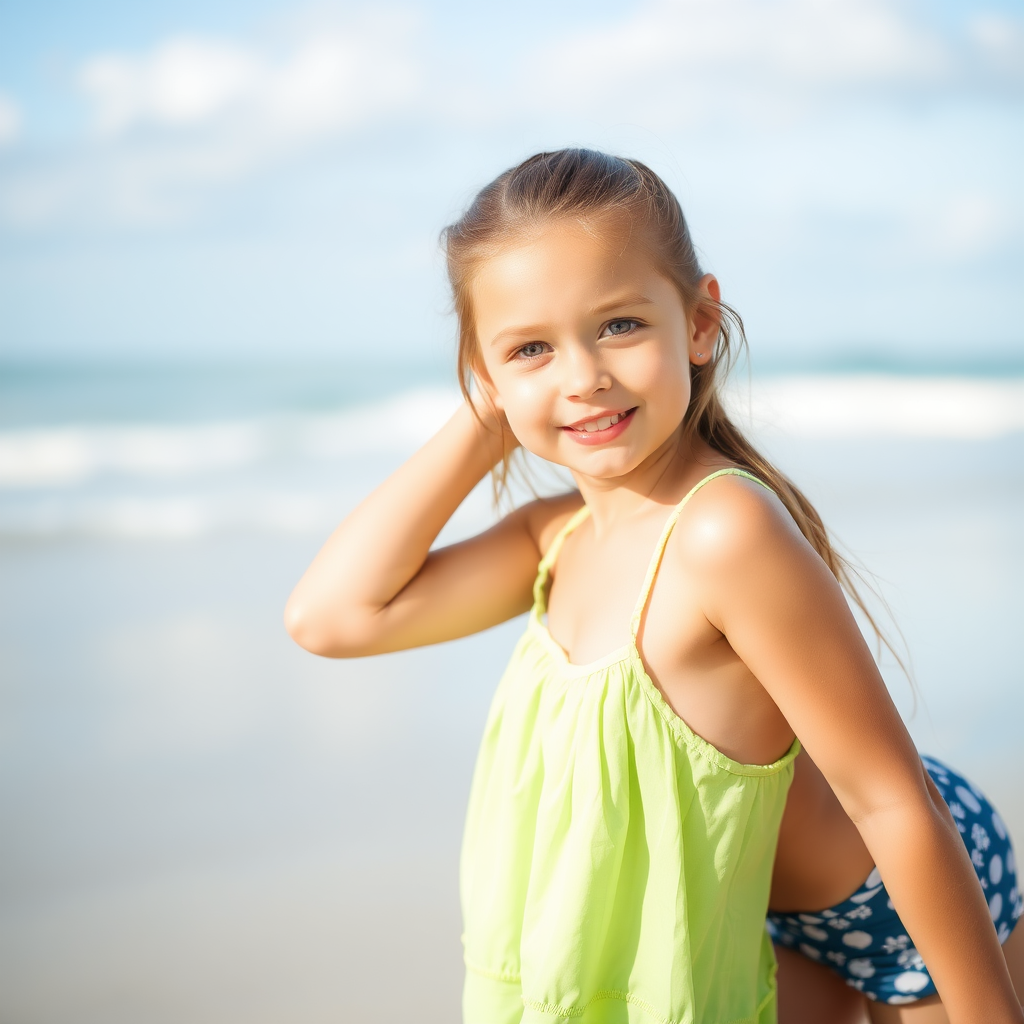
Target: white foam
{"x": 65, "y": 456}
{"x": 68, "y": 456}
{"x": 174, "y": 516}
{"x": 406, "y": 420}
{"x": 875, "y": 405}
{"x": 799, "y": 406}
{"x": 298, "y": 474}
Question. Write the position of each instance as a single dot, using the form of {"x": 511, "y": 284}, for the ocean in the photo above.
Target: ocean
{"x": 201, "y": 822}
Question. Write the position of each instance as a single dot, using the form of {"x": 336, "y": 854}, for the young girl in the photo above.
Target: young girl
{"x": 686, "y": 625}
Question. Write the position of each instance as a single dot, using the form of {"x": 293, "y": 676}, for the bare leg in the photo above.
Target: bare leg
{"x": 810, "y": 993}
{"x": 924, "y": 1011}
{"x": 1013, "y": 950}
{"x": 931, "y": 1011}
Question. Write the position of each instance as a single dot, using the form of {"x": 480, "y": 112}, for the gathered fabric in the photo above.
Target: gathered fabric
{"x": 615, "y": 865}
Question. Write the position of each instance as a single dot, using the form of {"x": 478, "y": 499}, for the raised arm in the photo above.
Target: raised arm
{"x": 786, "y": 617}
{"x": 376, "y": 586}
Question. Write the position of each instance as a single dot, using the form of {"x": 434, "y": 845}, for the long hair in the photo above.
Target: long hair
{"x": 584, "y": 184}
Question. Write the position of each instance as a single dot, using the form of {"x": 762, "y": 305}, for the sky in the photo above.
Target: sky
{"x": 266, "y": 181}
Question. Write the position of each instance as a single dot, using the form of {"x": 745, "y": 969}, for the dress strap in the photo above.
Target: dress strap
{"x": 659, "y": 551}
{"x": 540, "y": 597}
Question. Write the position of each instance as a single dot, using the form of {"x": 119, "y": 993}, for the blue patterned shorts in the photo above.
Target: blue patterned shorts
{"x": 864, "y": 941}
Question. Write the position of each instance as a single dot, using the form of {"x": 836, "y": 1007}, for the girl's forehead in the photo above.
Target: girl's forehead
{"x": 569, "y": 257}
{"x": 564, "y": 274}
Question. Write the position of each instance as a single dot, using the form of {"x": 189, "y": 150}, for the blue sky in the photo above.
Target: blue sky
{"x": 226, "y": 179}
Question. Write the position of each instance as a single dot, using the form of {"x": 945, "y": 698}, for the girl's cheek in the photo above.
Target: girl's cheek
{"x": 530, "y": 432}
{"x": 529, "y": 418}
{"x": 524, "y": 402}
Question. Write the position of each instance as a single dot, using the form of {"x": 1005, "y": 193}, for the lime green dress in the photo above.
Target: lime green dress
{"x": 615, "y": 866}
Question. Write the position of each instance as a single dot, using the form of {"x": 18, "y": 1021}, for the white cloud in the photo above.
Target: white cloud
{"x": 972, "y": 225}
{"x": 686, "y": 61}
{"x": 176, "y": 122}
{"x": 337, "y": 80}
{"x": 193, "y": 113}
{"x": 10, "y": 119}
{"x": 333, "y": 79}
{"x": 184, "y": 81}
{"x": 1001, "y": 42}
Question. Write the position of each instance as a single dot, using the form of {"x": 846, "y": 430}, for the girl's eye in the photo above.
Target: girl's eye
{"x": 531, "y": 351}
{"x": 622, "y": 326}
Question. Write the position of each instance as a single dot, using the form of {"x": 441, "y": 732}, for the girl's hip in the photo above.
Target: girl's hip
{"x": 863, "y": 940}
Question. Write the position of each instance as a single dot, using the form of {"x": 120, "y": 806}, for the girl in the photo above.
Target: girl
{"x": 687, "y": 624}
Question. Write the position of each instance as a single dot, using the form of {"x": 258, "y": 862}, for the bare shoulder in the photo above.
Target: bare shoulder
{"x": 747, "y": 559}
{"x": 544, "y": 517}
{"x": 733, "y": 518}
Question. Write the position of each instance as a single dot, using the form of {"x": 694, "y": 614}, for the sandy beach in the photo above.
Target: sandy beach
{"x": 201, "y": 822}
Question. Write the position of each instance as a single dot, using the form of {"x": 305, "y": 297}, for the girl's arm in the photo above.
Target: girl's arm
{"x": 375, "y": 586}
{"x": 784, "y": 614}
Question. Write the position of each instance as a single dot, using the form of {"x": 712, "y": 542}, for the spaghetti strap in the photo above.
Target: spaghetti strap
{"x": 540, "y": 597}
{"x": 659, "y": 551}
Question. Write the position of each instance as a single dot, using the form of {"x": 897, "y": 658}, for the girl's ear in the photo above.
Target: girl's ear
{"x": 707, "y": 320}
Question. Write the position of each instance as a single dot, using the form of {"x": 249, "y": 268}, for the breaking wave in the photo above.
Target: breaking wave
{"x": 297, "y": 473}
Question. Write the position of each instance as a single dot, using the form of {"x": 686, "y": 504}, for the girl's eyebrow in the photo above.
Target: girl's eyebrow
{"x": 635, "y": 299}
{"x": 514, "y": 332}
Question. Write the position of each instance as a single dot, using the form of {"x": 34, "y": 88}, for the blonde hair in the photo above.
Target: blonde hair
{"x": 585, "y": 184}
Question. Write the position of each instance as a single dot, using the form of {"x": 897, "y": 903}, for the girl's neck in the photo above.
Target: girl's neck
{"x": 660, "y": 480}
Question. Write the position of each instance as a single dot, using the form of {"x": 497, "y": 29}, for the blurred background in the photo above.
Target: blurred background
{"x": 223, "y": 318}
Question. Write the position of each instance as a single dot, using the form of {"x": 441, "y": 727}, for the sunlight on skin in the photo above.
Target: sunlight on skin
{"x": 527, "y": 306}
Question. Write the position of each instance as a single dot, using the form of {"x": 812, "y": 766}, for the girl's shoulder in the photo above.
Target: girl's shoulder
{"x": 729, "y": 519}
{"x": 545, "y": 517}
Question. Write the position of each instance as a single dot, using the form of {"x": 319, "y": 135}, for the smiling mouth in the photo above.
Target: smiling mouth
{"x": 595, "y": 426}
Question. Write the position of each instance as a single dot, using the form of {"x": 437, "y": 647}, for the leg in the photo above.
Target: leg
{"x": 1013, "y": 950}
{"x": 924, "y": 1011}
{"x": 810, "y": 993}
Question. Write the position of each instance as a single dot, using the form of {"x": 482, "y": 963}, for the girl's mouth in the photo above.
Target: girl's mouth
{"x": 601, "y": 429}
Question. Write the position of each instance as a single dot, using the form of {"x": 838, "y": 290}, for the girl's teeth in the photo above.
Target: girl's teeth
{"x": 602, "y": 424}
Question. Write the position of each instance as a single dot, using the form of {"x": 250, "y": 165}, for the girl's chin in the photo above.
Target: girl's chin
{"x": 600, "y": 466}
{"x": 597, "y": 464}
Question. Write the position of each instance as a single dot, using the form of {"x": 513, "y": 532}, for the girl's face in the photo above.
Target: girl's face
{"x": 586, "y": 347}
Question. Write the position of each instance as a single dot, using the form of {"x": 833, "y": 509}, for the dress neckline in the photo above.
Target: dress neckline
{"x": 629, "y": 653}
{"x": 629, "y": 656}
{"x": 540, "y": 586}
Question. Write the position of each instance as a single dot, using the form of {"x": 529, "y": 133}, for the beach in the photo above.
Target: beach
{"x": 202, "y": 822}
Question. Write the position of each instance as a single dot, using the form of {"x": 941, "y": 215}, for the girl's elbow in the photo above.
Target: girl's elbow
{"x": 322, "y": 638}
{"x": 306, "y": 631}
{"x": 299, "y": 627}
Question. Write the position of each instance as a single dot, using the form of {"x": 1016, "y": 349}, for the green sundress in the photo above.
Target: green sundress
{"x": 615, "y": 865}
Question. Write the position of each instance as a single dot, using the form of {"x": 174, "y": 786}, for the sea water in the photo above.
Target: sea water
{"x": 201, "y": 822}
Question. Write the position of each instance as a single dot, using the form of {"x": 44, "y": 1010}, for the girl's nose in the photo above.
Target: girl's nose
{"x": 584, "y": 374}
